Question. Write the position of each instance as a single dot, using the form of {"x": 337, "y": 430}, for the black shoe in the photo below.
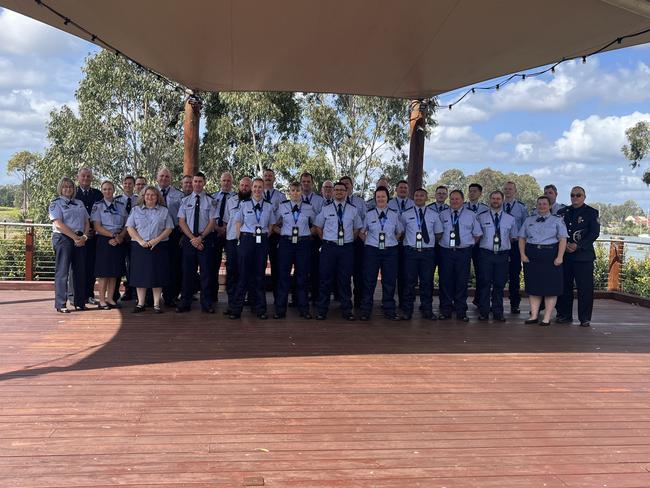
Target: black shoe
{"x": 463, "y": 318}
{"x": 262, "y": 316}
{"x": 408, "y": 316}
{"x": 63, "y": 310}
{"x": 103, "y": 307}
{"x": 227, "y": 312}
{"x": 545, "y": 323}
{"x": 349, "y": 317}
{"x": 499, "y": 318}
{"x": 207, "y": 310}
{"x": 234, "y": 316}
{"x": 138, "y": 309}
{"x": 444, "y": 316}
{"x": 563, "y": 320}
{"x": 586, "y": 323}
{"x": 433, "y": 317}
{"x": 92, "y": 301}
{"x": 483, "y": 318}
{"x": 393, "y": 317}
{"x": 181, "y": 309}
{"x": 320, "y": 317}
{"x": 364, "y": 318}
{"x": 80, "y": 308}
{"x": 531, "y": 321}
{"x": 515, "y": 310}
{"x": 306, "y": 315}
{"x": 113, "y": 305}
{"x": 279, "y": 316}
{"x": 157, "y": 309}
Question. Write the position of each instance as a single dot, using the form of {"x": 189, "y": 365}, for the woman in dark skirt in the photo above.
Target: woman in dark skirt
{"x": 149, "y": 226}
{"x": 542, "y": 242}
{"x": 109, "y": 216}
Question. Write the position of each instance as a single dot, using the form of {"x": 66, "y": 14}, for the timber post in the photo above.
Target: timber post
{"x": 29, "y": 252}
{"x": 191, "y": 135}
{"x": 417, "y": 123}
{"x": 615, "y": 265}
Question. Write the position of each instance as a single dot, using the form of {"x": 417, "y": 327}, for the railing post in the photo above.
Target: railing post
{"x": 615, "y": 265}
{"x": 29, "y": 252}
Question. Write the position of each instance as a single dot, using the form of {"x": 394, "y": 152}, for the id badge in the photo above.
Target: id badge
{"x": 382, "y": 240}
{"x": 341, "y": 237}
{"x": 294, "y": 235}
{"x": 258, "y": 234}
{"x": 452, "y": 239}
{"x": 418, "y": 240}
{"x": 496, "y": 244}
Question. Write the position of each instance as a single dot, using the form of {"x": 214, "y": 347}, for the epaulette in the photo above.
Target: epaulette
{"x": 406, "y": 209}
{"x": 484, "y": 211}
{"x": 285, "y": 201}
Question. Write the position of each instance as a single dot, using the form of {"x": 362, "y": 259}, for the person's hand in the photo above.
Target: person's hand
{"x": 558, "y": 261}
{"x": 112, "y": 242}
{"x": 79, "y": 241}
{"x": 143, "y": 243}
{"x": 571, "y": 247}
{"x": 196, "y": 242}
{"x": 524, "y": 259}
{"x": 362, "y": 235}
{"x": 118, "y": 239}
{"x": 221, "y": 231}
{"x": 90, "y": 233}
{"x": 153, "y": 243}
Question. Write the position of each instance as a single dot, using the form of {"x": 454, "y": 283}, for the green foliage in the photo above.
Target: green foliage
{"x": 24, "y": 163}
{"x": 10, "y": 196}
{"x": 636, "y": 277}
{"x": 638, "y": 138}
{"x": 614, "y": 215}
{"x": 10, "y": 214}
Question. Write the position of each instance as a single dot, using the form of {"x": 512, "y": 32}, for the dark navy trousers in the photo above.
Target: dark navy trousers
{"x": 492, "y": 280}
{"x": 299, "y": 256}
{"x": 419, "y": 268}
{"x": 374, "y": 261}
{"x": 192, "y": 257}
{"x": 67, "y": 258}
{"x": 251, "y": 260}
{"x": 514, "y": 275}
{"x": 582, "y": 273}
{"x": 170, "y": 293}
{"x": 336, "y": 263}
{"x": 232, "y": 270}
{"x": 454, "y": 274}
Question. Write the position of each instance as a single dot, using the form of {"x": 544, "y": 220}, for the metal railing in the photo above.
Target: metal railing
{"x": 26, "y": 254}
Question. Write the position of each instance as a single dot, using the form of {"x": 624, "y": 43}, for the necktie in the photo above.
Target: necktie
{"x": 541, "y": 219}
{"x": 268, "y": 195}
{"x": 222, "y": 209}
{"x": 402, "y": 205}
{"x": 440, "y": 209}
{"x": 456, "y": 226}
{"x": 197, "y": 211}
{"x": 164, "y": 193}
{"x": 258, "y": 207}
{"x": 295, "y": 209}
{"x": 423, "y": 225}
{"x": 382, "y": 216}
{"x": 111, "y": 208}
{"x": 496, "y": 220}
{"x": 70, "y": 202}
{"x": 340, "y": 212}
{"x": 474, "y": 207}
{"x": 508, "y": 208}
{"x": 128, "y": 205}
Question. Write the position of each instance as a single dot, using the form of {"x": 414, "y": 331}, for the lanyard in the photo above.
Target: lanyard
{"x": 496, "y": 221}
{"x": 382, "y": 222}
{"x": 417, "y": 216}
{"x": 340, "y": 217}
{"x": 455, "y": 221}
{"x": 258, "y": 212}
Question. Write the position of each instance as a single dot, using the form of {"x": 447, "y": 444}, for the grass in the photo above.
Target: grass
{"x": 10, "y": 214}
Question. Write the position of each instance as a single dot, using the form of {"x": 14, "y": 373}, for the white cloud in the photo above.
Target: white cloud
{"x": 524, "y": 151}
{"x": 503, "y": 137}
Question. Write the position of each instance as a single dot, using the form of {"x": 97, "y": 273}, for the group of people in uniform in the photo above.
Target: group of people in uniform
{"x": 170, "y": 244}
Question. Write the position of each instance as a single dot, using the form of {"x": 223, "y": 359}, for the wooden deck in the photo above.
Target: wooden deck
{"x": 108, "y": 398}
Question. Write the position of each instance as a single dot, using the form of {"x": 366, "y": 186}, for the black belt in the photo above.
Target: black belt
{"x": 421, "y": 249}
{"x": 300, "y": 238}
{"x": 543, "y": 246}
{"x": 336, "y": 243}
{"x": 491, "y": 251}
{"x": 252, "y": 234}
{"x": 456, "y": 248}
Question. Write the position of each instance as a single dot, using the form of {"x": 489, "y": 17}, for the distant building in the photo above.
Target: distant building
{"x": 638, "y": 220}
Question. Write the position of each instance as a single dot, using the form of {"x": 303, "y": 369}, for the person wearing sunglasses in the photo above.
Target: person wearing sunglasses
{"x": 583, "y": 227}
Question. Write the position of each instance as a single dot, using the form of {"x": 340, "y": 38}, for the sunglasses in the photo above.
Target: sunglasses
{"x": 576, "y": 195}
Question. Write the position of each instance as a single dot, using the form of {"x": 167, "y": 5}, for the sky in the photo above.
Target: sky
{"x": 565, "y": 128}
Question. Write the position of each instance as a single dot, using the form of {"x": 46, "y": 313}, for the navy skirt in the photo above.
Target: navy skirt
{"x": 150, "y": 268}
{"x": 542, "y": 277}
{"x": 109, "y": 260}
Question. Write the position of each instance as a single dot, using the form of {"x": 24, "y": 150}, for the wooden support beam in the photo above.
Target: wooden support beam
{"x": 416, "y": 150}
{"x": 191, "y": 136}
{"x": 615, "y": 265}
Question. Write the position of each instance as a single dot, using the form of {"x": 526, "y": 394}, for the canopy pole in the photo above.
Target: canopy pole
{"x": 417, "y": 123}
{"x": 191, "y": 135}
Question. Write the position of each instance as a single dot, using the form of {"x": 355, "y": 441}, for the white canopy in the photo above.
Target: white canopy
{"x": 396, "y": 48}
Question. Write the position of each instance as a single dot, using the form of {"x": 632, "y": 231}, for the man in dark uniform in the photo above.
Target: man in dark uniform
{"x": 583, "y": 227}
{"x": 89, "y": 196}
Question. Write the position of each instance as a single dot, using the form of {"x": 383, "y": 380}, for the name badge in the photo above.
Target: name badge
{"x": 258, "y": 234}
{"x": 382, "y": 240}
{"x": 418, "y": 240}
{"x": 294, "y": 235}
{"x": 496, "y": 243}
{"x": 452, "y": 239}
{"x": 341, "y": 237}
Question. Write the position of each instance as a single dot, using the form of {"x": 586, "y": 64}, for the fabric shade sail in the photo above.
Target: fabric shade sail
{"x": 405, "y": 48}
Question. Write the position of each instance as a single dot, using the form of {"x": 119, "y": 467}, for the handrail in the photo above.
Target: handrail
{"x": 24, "y": 224}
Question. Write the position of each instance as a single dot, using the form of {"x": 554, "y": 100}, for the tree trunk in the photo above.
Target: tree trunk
{"x": 416, "y": 150}
{"x": 191, "y": 136}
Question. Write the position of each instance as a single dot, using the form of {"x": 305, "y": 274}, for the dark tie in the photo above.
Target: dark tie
{"x": 197, "y": 211}
{"x": 258, "y": 207}
{"x": 382, "y": 216}
{"x": 111, "y": 208}
{"x": 541, "y": 219}
{"x": 328, "y": 201}
{"x": 268, "y": 195}
{"x": 456, "y": 226}
{"x": 474, "y": 207}
{"x": 508, "y": 208}
{"x": 70, "y": 202}
{"x": 340, "y": 212}
{"x": 164, "y": 193}
{"x": 222, "y": 208}
{"x": 440, "y": 209}
{"x": 128, "y": 205}
{"x": 496, "y": 220}
{"x": 402, "y": 205}
{"x": 295, "y": 209}
{"x": 425, "y": 231}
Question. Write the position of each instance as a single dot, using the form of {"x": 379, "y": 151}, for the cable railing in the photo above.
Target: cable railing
{"x": 26, "y": 254}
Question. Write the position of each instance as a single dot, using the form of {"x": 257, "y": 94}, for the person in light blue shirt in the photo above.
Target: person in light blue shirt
{"x": 542, "y": 243}
{"x": 130, "y": 199}
{"x": 401, "y": 203}
{"x": 474, "y": 193}
{"x": 499, "y": 228}
{"x": 550, "y": 192}
{"x": 294, "y": 218}
{"x": 422, "y": 226}
{"x": 109, "y": 217}
{"x": 338, "y": 225}
{"x": 70, "y": 225}
{"x": 221, "y": 198}
{"x": 254, "y": 223}
{"x": 317, "y": 202}
{"x": 196, "y": 218}
{"x": 382, "y": 229}
{"x": 440, "y": 198}
{"x": 519, "y": 211}
{"x": 460, "y": 231}
{"x": 357, "y": 274}
{"x": 370, "y": 203}
{"x": 150, "y": 225}
{"x": 274, "y": 197}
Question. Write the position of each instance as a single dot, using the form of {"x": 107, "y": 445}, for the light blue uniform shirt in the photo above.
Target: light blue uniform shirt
{"x": 412, "y": 225}
{"x": 360, "y": 203}
{"x": 112, "y": 216}
{"x": 438, "y": 207}
{"x": 548, "y": 231}
{"x": 290, "y": 218}
{"x": 172, "y": 197}
{"x": 468, "y": 227}
{"x": 207, "y": 210}
{"x": 477, "y": 207}
{"x": 554, "y": 209}
{"x": 392, "y": 227}
{"x": 250, "y": 219}
{"x": 400, "y": 205}
{"x": 508, "y": 229}
{"x": 315, "y": 200}
{"x": 229, "y": 216}
{"x": 328, "y": 220}
{"x": 275, "y": 197}
{"x": 219, "y": 197}
{"x": 150, "y": 222}
{"x": 518, "y": 210}
{"x": 124, "y": 199}
{"x": 71, "y": 212}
